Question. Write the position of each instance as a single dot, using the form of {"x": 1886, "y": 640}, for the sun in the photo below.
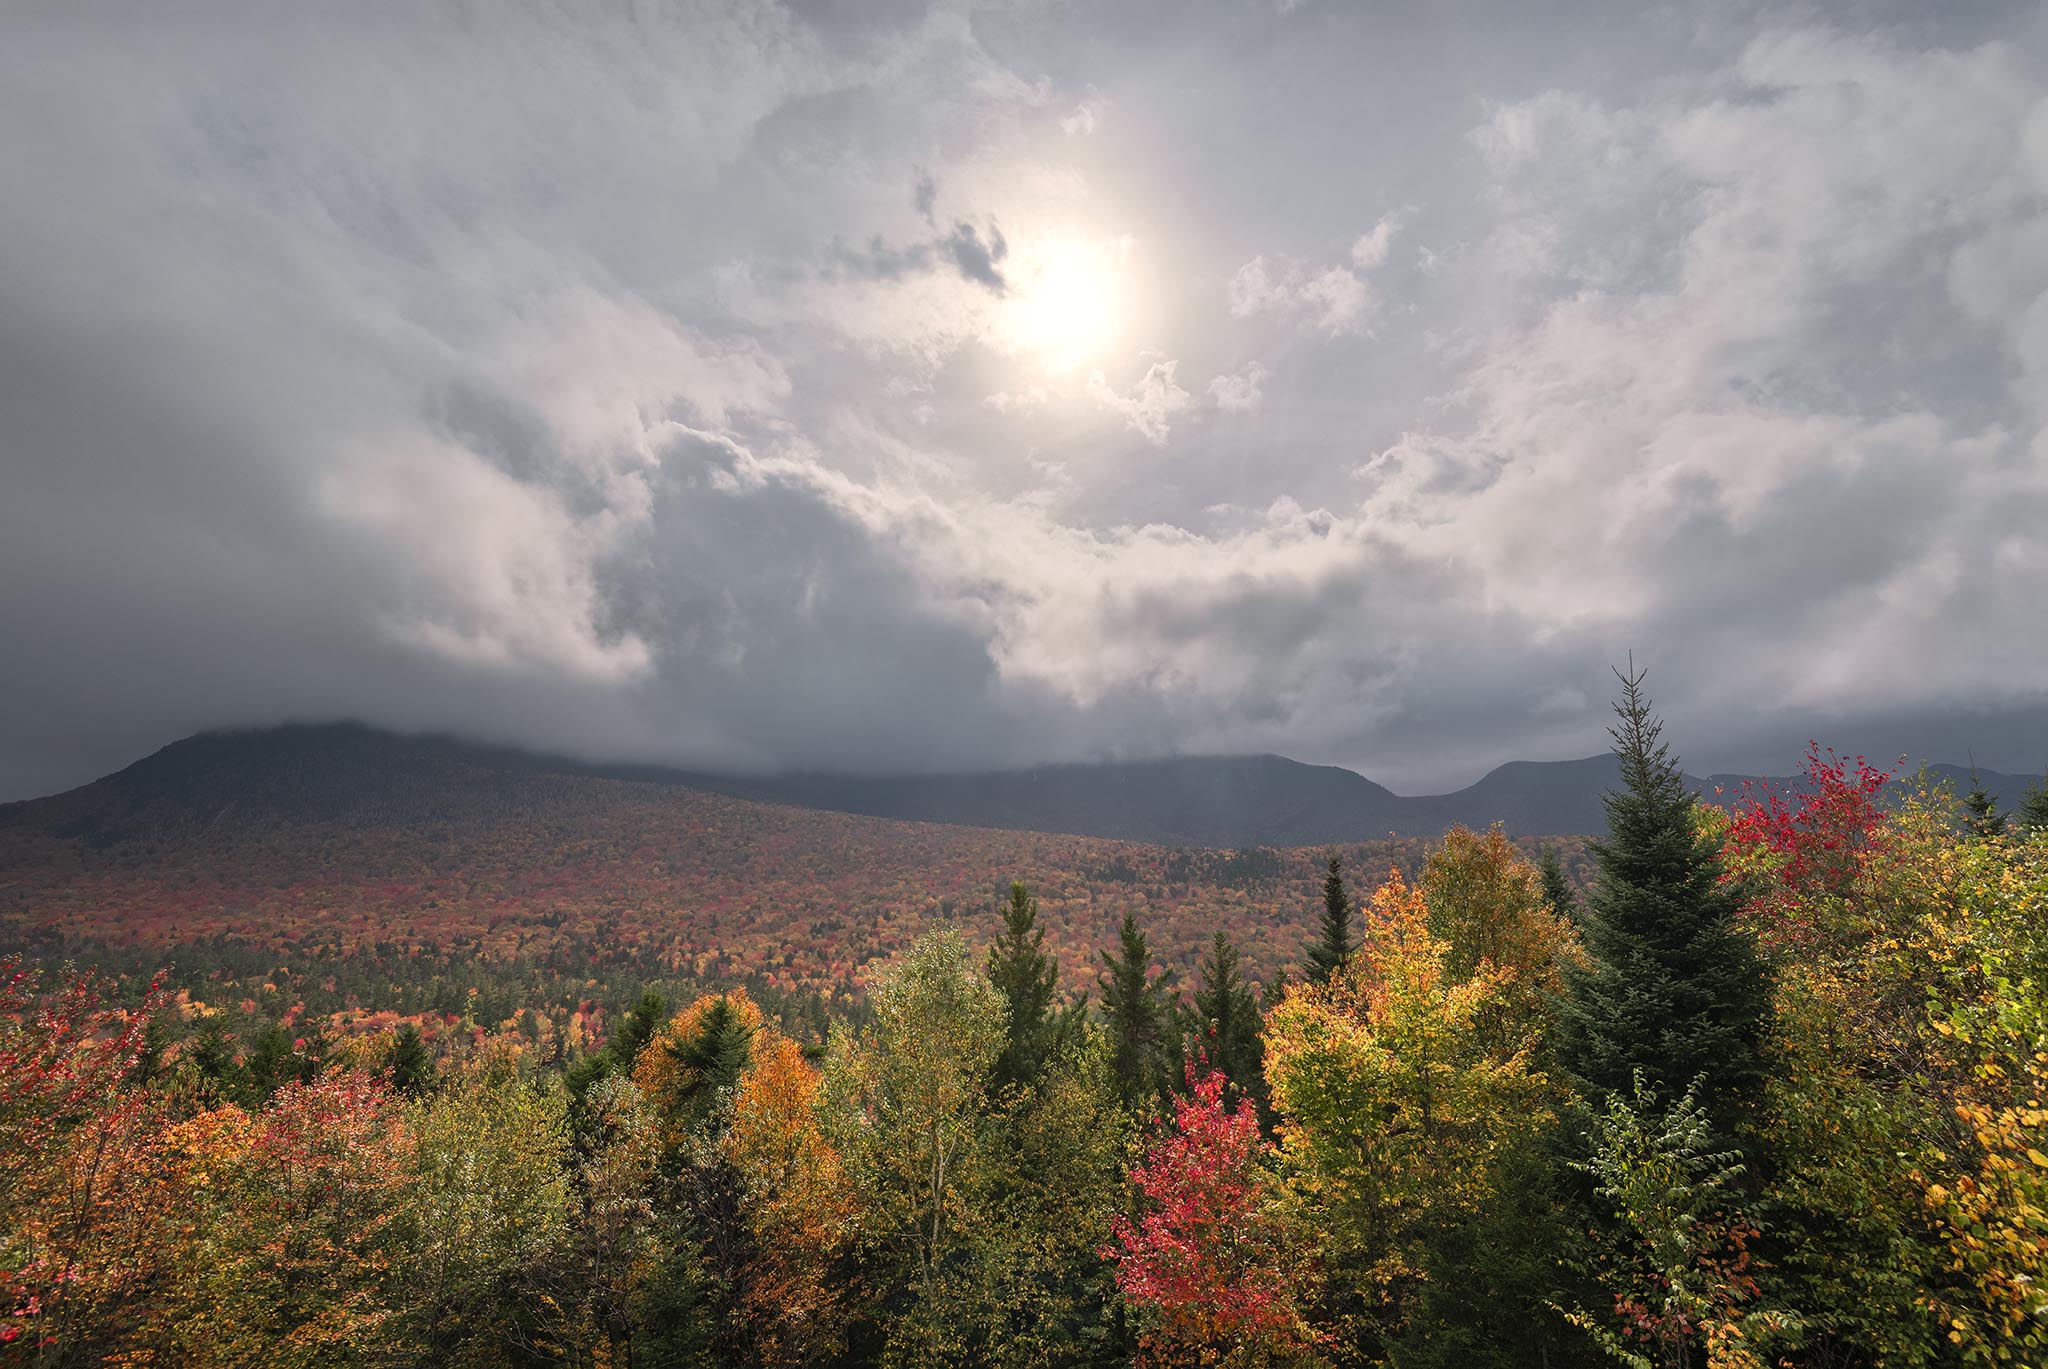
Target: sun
{"x": 1067, "y": 301}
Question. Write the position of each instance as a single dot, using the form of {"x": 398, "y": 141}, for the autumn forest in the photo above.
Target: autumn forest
{"x": 1755, "y": 1082}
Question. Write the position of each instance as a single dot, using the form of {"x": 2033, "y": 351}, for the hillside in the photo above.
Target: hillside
{"x": 299, "y": 845}
{"x": 336, "y": 852}
{"x": 322, "y": 773}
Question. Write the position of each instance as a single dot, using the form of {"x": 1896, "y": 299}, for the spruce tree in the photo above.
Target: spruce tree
{"x": 636, "y": 1029}
{"x": 410, "y": 1067}
{"x": 1671, "y": 985}
{"x": 2033, "y": 814}
{"x": 1333, "y": 945}
{"x": 1557, "y": 889}
{"x": 1026, "y": 977}
{"x": 1140, "y": 1012}
{"x": 1227, "y": 1021}
{"x": 622, "y": 1048}
{"x": 1980, "y": 810}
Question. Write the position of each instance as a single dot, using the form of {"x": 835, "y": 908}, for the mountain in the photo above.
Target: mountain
{"x": 322, "y": 773}
{"x": 353, "y": 868}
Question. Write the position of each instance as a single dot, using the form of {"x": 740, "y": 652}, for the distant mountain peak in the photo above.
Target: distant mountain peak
{"x": 316, "y": 772}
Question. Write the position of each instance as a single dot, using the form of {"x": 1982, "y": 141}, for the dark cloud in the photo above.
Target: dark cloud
{"x": 976, "y": 259}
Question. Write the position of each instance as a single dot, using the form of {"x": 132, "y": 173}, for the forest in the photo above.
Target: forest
{"x": 1763, "y": 1083}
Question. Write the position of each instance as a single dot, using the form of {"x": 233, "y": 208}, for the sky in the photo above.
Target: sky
{"x": 878, "y": 386}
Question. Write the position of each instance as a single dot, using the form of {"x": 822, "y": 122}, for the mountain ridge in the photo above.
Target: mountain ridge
{"x": 315, "y": 772}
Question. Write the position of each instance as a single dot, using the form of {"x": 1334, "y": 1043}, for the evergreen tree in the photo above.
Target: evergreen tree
{"x": 623, "y": 1047}
{"x": 1671, "y": 987}
{"x": 1333, "y": 945}
{"x": 1980, "y": 810}
{"x": 2033, "y": 814}
{"x": 272, "y": 1063}
{"x": 1140, "y": 1012}
{"x": 1227, "y": 1022}
{"x": 1026, "y": 977}
{"x": 410, "y": 1067}
{"x": 1557, "y": 889}
{"x": 713, "y": 1056}
{"x": 211, "y": 1052}
{"x": 636, "y": 1029}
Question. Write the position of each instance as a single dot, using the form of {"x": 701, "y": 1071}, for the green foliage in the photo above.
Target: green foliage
{"x": 1558, "y": 893}
{"x": 910, "y": 1096}
{"x": 2033, "y": 813}
{"x": 1980, "y": 811}
{"x": 1333, "y": 944}
{"x": 1138, "y": 1007}
{"x": 1674, "y": 1250}
{"x": 1399, "y": 1115}
{"x": 488, "y": 1200}
{"x": 1672, "y": 986}
{"x": 1063, "y": 1150}
{"x": 409, "y": 1067}
{"x": 1027, "y": 978}
{"x": 1226, "y": 1025}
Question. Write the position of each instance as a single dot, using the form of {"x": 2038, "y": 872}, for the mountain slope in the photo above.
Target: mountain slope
{"x": 330, "y": 772}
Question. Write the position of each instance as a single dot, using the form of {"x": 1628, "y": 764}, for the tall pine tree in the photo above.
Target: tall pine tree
{"x": 1139, "y": 1009}
{"x": 1671, "y": 985}
{"x": 1227, "y": 1021}
{"x": 410, "y": 1067}
{"x": 2033, "y": 814}
{"x": 1026, "y": 977}
{"x": 1333, "y": 944}
{"x": 1557, "y": 889}
{"x": 1980, "y": 810}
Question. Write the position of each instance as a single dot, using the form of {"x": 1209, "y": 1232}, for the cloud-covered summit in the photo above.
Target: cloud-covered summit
{"x": 907, "y": 387}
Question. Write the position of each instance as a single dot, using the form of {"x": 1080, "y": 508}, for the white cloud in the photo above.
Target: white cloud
{"x": 1239, "y": 393}
{"x": 1149, "y": 404}
{"x": 1085, "y": 117}
{"x": 1372, "y": 246}
{"x": 1335, "y": 299}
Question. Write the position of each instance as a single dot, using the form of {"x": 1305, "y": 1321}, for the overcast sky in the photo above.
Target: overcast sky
{"x": 876, "y": 386}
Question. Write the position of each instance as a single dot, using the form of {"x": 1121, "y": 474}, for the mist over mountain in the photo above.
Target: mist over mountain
{"x": 338, "y": 772}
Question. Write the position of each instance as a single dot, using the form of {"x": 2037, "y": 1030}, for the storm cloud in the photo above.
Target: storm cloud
{"x": 1356, "y": 382}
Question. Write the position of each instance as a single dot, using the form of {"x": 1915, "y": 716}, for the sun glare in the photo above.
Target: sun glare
{"x": 1067, "y": 301}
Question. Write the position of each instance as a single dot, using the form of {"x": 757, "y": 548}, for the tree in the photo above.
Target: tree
{"x": 304, "y": 1259}
{"x": 1400, "y": 1113}
{"x": 1026, "y": 977}
{"x": 1980, "y": 810}
{"x": 1557, "y": 887}
{"x": 1674, "y": 1252}
{"x": 2033, "y": 814}
{"x": 488, "y": 1199}
{"x": 696, "y": 1060}
{"x": 798, "y": 1207}
{"x": 1227, "y": 1023}
{"x": 621, "y": 1051}
{"x": 1489, "y": 907}
{"x": 910, "y": 1110}
{"x": 690, "y": 1074}
{"x": 1060, "y": 1153}
{"x": 1333, "y": 944}
{"x": 78, "y": 1199}
{"x": 1139, "y": 1010}
{"x": 1672, "y": 984}
{"x": 1210, "y": 1262}
{"x": 409, "y": 1067}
